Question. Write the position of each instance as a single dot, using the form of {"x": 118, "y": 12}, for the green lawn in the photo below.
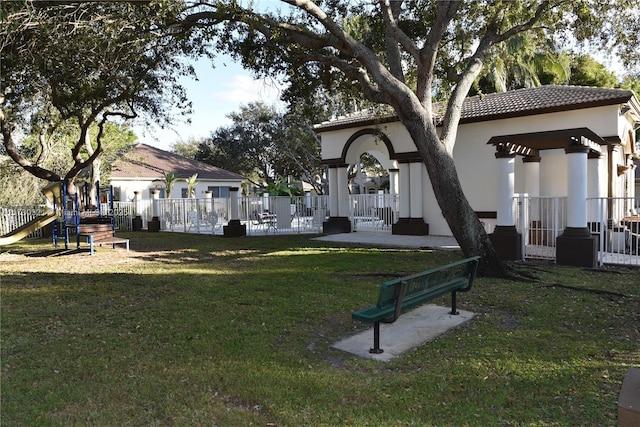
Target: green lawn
{"x": 193, "y": 330}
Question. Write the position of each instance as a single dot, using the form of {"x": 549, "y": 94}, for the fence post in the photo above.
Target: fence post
{"x": 234, "y": 228}
{"x": 154, "y": 224}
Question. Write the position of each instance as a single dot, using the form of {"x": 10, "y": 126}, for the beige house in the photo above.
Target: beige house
{"x": 141, "y": 170}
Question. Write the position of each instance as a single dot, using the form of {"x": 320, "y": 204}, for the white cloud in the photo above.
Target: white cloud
{"x": 243, "y": 89}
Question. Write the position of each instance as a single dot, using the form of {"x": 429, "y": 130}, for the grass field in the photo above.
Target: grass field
{"x": 193, "y": 330}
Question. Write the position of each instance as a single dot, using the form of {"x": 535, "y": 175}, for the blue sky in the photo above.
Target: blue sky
{"x": 218, "y": 92}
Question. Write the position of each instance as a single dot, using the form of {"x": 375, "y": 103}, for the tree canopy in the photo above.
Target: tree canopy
{"x": 402, "y": 53}
{"x": 82, "y": 64}
{"x": 265, "y": 145}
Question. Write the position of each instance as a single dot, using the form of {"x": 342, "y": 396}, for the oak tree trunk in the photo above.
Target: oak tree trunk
{"x": 460, "y": 216}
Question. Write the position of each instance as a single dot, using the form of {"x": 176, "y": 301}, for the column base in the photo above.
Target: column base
{"x": 337, "y": 225}
{"x": 410, "y": 227}
{"x": 577, "y": 247}
{"x": 136, "y": 223}
{"x": 234, "y": 229}
{"x": 507, "y": 242}
{"x": 154, "y": 225}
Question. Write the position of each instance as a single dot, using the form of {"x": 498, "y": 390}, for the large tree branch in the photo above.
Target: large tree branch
{"x": 370, "y": 90}
{"x": 474, "y": 67}
{"x": 445, "y": 12}
{"x": 6, "y": 129}
{"x": 394, "y": 35}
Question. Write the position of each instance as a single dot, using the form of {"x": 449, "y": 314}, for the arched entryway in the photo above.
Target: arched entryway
{"x": 406, "y": 175}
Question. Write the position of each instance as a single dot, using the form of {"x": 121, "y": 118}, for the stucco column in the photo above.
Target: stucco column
{"x": 577, "y": 187}
{"x": 532, "y": 188}
{"x": 631, "y": 175}
{"x": 233, "y": 199}
{"x": 234, "y": 228}
{"x": 577, "y": 246}
{"x": 338, "y": 221}
{"x": 632, "y": 187}
{"x": 211, "y": 211}
{"x": 505, "y": 186}
{"x": 404, "y": 190}
{"x": 532, "y": 176}
{"x": 410, "y": 220}
{"x": 505, "y": 238}
{"x": 333, "y": 191}
{"x": 343, "y": 191}
{"x": 393, "y": 181}
{"x": 595, "y": 190}
{"x": 154, "y": 224}
{"x": 415, "y": 182}
{"x": 136, "y": 222}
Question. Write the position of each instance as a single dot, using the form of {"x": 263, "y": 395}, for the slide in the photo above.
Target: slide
{"x": 28, "y": 228}
{"x": 52, "y": 192}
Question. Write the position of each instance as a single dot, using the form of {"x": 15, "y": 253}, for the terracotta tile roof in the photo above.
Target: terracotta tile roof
{"x": 493, "y": 106}
{"x": 145, "y": 161}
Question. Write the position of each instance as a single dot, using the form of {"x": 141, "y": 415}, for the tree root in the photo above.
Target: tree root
{"x": 592, "y": 291}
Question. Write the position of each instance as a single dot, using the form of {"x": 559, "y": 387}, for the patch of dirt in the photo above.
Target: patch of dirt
{"x": 509, "y": 322}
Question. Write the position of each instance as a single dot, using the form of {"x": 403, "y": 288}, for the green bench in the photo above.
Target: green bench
{"x": 404, "y": 293}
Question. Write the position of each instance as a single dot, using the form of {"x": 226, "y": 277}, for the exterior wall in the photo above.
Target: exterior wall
{"x": 370, "y": 144}
{"x": 333, "y": 141}
{"x": 127, "y": 187}
{"x": 475, "y": 159}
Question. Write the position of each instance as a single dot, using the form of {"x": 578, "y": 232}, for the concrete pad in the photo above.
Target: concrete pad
{"x": 412, "y": 329}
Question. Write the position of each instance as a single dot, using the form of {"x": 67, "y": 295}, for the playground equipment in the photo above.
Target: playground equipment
{"x": 96, "y": 223}
{"x": 53, "y": 193}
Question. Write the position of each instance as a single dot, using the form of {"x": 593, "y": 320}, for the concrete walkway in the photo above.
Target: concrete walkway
{"x": 388, "y": 240}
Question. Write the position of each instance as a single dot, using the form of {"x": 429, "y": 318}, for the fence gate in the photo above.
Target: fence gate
{"x": 373, "y": 212}
{"x": 540, "y": 220}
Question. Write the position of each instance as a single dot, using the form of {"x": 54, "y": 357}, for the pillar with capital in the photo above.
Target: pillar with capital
{"x": 596, "y": 169}
{"x": 338, "y": 221}
{"x": 577, "y": 246}
{"x": 532, "y": 189}
{"x": 136, "y": 222}
{"x": 505, "y": 238}
{"x": 154, "y": 224}
{"x": 411, "y": 221}
{"x": 234, "y": 228}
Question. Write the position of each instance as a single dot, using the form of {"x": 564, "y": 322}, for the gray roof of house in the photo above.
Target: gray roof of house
{"x": 494, "y": 106}
{"x": 145, "y": 161}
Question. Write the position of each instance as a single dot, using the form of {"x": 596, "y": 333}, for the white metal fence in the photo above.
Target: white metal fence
{"x": 13, "y": 217}
{"x": 282, "y": 214}
{"x": 373, "y": 212}
{"x": 540, "y": 220}
{"x": 615, "y": 221}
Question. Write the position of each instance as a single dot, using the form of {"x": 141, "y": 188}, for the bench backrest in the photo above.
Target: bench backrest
{"x": 95, "y": 228}
{"x": 421, "y": 286}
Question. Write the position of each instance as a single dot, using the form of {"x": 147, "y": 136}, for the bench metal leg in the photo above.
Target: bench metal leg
{"x": 454, "y": 304}
{"x": 376, "y": 339}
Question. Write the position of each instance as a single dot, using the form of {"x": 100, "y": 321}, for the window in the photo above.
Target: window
{"x": 217, "y": 192}
{"x": 161, "y": 195}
